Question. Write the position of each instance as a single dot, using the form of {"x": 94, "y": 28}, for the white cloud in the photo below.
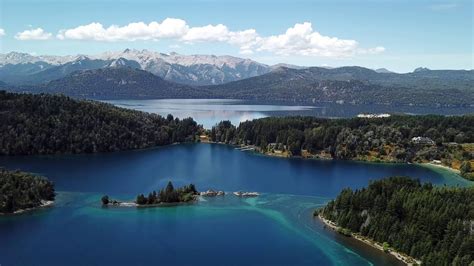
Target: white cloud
{"x": 168, "y": 28}
{"x": 300, "y": 39}
{"x": 2, "y": 32}
{"x": 210, "y": 33}
{"x": 33, "y": 34}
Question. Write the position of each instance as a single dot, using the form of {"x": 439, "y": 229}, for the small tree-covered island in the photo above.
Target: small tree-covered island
{"x": 415, "y": 222}
{"x": 20, "y": 191}
{"x": 164, "y": 197}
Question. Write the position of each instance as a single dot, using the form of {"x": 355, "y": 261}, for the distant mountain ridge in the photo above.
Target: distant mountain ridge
{"x": 113, "y": 83}
{"x": 134, "y": 74}
{"x": 200, "y": 70}
{"x": 352, "y": 85}
{"x": 356, "y": 85}
{"x": 22, "y": 68}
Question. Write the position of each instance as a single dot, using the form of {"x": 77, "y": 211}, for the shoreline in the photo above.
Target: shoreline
{"x": 132, "y": 204}
{"x": 398, "y": 255}
{"x": 44, "y": 204}
{"x": 456, "y": 171}
{"x": 428, "y": 164}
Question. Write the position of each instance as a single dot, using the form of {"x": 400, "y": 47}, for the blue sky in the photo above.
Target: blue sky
{"x": 398, "y": 35}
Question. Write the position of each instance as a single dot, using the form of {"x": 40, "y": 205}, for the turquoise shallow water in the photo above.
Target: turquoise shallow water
{"x": 274, "y": 229}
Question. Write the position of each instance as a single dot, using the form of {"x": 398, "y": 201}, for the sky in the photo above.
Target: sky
{"x": 399, "y": 35}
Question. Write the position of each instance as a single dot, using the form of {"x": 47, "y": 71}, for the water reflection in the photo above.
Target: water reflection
{"x": 208, "y": 112}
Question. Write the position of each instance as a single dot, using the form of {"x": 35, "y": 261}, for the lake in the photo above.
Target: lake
{"x": 275, "y": 228}
{"x": 209, "y": 112}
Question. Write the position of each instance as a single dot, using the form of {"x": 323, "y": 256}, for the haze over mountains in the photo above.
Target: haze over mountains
{"x": 134, "y": 74}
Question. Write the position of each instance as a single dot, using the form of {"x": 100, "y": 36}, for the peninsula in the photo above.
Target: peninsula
{"x": 438, "y": 140}
{"x": 413, "y": 221}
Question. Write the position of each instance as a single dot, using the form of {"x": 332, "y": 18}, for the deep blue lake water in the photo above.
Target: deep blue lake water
{"x": 273, "y": 229}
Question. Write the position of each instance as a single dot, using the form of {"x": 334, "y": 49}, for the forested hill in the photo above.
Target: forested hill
{"x": 19, "y": 190}
{"x": 46, "y": 124}
{"x": 113, "y": 83}
{"x": 447, "y": 139}
{"x": 354, "y": 85}
{"x": 433, "y": 224}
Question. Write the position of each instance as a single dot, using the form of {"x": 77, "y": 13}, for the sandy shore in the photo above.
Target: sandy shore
{"x": 441, "y": 166}
{"x": 402, "y": 257}
{"x": 44, "y": 204}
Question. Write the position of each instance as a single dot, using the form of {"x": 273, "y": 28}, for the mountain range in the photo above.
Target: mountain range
{"x": 133, "y": 74}
{"x": 22, "y": 68}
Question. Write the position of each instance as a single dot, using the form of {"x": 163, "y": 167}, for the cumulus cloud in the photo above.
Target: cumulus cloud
{"x": 33, "y": 34}
{"x": 300, "y": 39}
{"x": 168, "y": 28}
{"x": 2, "y": 32}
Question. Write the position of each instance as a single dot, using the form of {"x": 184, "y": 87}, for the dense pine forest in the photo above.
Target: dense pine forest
{"x": 19, "y": 190}
{"x": 447, "y": 140}
{"x": 433, "y": 224}
{"x": 47, "y": 124}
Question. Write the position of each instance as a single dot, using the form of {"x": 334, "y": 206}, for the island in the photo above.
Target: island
{"x": 20, "y": 192}
{"x": 418, "y": 223}
{"x": 164, "y": 197}
{"x": 169, "y": 196}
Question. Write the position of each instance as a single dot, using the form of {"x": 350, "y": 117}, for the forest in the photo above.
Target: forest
{"x": 20, "y": 190}
{"x": 447, "y": 139}
{"x": 433, "y": 224}
{"x": 52, "y": 124}
{"x": 169, "y": 195}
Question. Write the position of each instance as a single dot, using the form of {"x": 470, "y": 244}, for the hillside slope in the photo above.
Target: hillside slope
{"x": 46, "y": 124}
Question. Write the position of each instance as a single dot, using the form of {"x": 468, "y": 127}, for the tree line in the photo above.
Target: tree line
{"x": 169, "y": 195}
{"x": 433, "y": 224}
{"x": 384, "y": 139}
{"x": 51, "y": 124}
{"x": 20, "y": 190}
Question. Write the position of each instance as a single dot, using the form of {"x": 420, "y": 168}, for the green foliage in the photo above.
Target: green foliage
{"x": 141, "y": 199}
{"x": 105, "y": 200}
{"x": 344, "y": 231}
{"x": 46, "y": 124}
{"x": 169, "y": 195}
{"x": 430, "y": 223}
{"x": 465, "y": 167}
{"x": 377, "y": 139}
{"x": 223, "y": 132}
{"x": 385, "y": 247}
{"x": 19, "y": 190}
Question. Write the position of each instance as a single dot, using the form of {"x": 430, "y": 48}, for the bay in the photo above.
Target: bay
{"x": 276, "y": 228}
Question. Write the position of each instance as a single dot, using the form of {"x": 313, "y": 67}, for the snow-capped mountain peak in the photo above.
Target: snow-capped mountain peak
{"x": 188, "y": 69}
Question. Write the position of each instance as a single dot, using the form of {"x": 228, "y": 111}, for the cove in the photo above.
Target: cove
{"x": 273, "y": 229}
